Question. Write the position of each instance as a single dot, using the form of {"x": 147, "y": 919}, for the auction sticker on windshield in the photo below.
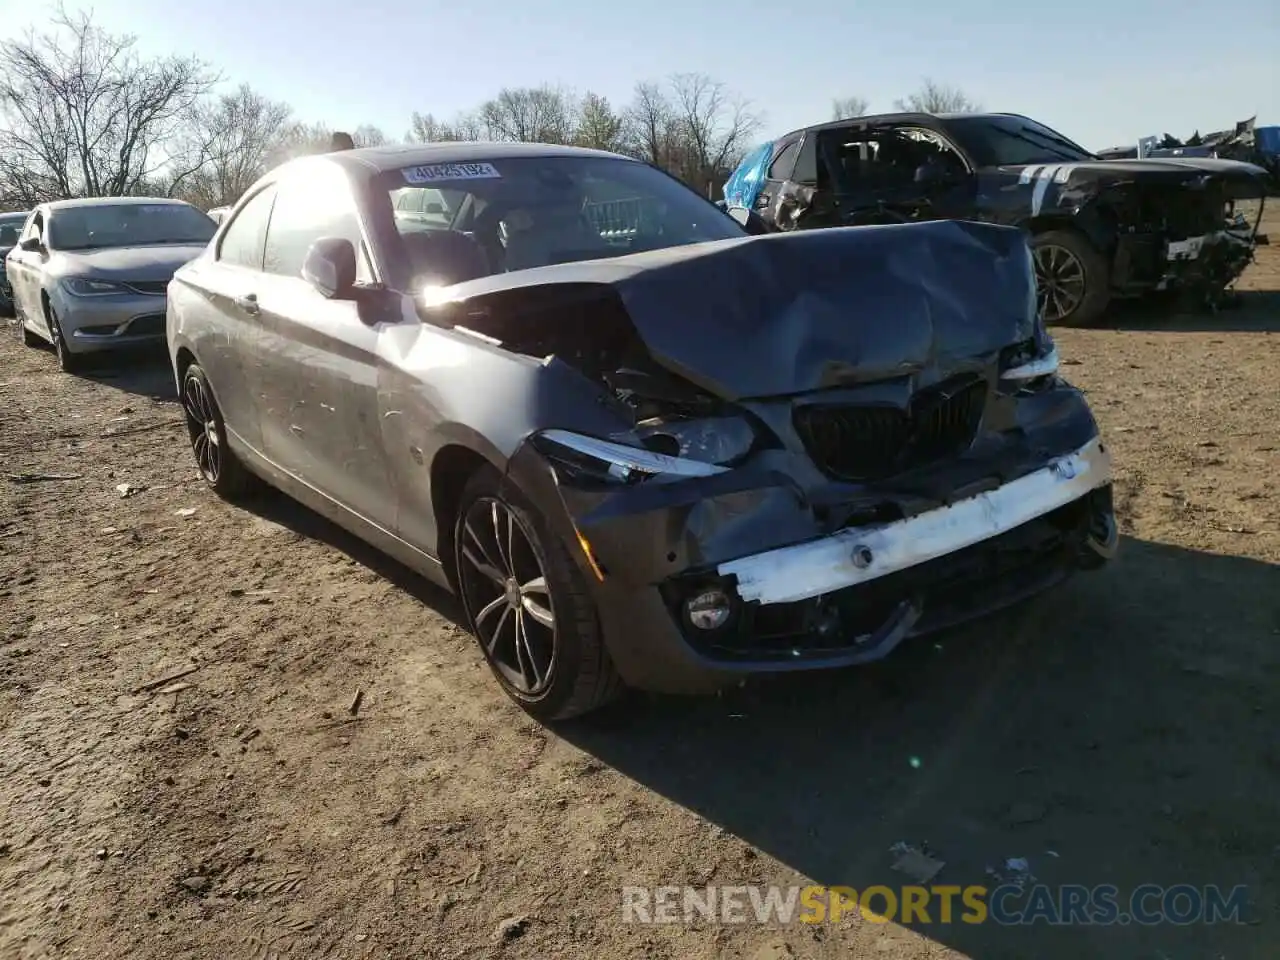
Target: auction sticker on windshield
{"x": 437, "y": 172}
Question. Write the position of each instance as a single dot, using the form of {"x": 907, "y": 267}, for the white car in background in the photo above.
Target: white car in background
{"x": 93, "y": 274}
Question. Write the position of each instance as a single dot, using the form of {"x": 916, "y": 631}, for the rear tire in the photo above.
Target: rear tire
{"x": 1073, "y": 278}
{"x": 220, "y": 467}
{"x": 501, "y": 545}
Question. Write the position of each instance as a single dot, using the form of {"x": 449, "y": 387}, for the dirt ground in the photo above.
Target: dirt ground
{"x": 1119, "y": 730}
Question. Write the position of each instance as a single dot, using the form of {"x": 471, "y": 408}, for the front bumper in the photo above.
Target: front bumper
{"x": 856, "y": 556}
{"x": 111, "y": 322}
{"x": 1204, "y": 263}
{"x": 839, "y": 599}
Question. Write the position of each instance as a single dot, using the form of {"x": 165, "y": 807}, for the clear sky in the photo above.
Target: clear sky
{"x": 1101, "y": 71}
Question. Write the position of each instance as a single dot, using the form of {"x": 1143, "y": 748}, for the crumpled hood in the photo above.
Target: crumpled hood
{"x": 794, "y": 312}
{"x": 1151, "y": 168}
{"x": 152, "y": 263}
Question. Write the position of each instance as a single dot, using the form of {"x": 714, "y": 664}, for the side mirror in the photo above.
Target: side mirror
{"x": 330, "y": 267}
{"x": 32, "y": 245}
{"x": 751, "y": 221}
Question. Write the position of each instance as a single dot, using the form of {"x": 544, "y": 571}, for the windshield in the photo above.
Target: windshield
{"x": 10, "y": 227}
{"x": 463, "y": 220}
{"x": 128, "y": 225}
{"x": 1013, "y": 141}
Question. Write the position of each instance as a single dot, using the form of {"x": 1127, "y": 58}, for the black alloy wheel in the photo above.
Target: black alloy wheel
{"x": 202, "y": 426}
{"x": 218, "y": 464}
{"x": 528, "y": 604}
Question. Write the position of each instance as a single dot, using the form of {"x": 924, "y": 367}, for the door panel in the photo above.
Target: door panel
{"x": 24, "y": 277}
{"x": 227, "y": 341}
{"x": 321, "y": 416}
{"x": 226, "y": 337}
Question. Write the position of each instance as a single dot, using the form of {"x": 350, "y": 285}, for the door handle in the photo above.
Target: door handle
{"x": 249, "y": 304}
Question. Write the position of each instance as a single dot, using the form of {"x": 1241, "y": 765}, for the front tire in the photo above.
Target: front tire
{"x": 1073, "y": 280}
{"x": 68, "y": 361}
{"x": 528, "y": 606}
{"x": 25, "y": 336}
{"x": 220, "y": 467}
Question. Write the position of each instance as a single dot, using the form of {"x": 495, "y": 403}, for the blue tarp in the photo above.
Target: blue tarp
{"x": 743, "y": 185}
{"x": 1268, "y": 139}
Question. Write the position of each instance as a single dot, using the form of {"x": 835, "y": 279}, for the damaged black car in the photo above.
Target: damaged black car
{"x": 1100, "y": 229}
{"x": 1246, "y": 141}
{"x": 643, "y": 446}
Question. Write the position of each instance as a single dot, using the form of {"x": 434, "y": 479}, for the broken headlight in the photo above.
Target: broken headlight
{"x": 1034, "y": 361}
{"x": 717, "y": 440}
{"x": 1038, "y": 358}
{"x": 684, "y": 448}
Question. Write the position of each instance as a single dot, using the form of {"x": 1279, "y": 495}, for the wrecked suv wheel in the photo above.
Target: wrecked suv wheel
{"x": 528, "y": 606}
{"x": 1073, "y": 283}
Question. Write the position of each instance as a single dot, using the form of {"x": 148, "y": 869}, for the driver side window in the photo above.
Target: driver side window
{"x": 34, "y": 228}
{"x": 309, "y": 205}
{"x": 241, "y": 242}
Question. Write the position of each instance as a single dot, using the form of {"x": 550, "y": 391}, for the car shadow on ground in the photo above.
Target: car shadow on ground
{"x": 278, "y": 508}
{"x": 1119, "y": 730}
{"x": 1248, "y": 311}
{"x": 142, "y": 373}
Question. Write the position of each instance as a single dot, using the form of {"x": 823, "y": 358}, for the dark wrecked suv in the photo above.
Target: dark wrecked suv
{"x": 644, "y": 447}
{"x": 1100, "y": 228}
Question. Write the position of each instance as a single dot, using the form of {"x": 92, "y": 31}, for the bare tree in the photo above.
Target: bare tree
{"x": 714, "y": 127}
{"x": 650, "y": 125}
{"x": 298, "y": 139}
{"x": 85, "y": 114}
{"x": 598, "y": 125}
{"x": 529, "y": 115}
{"x": 846, "y": 108}
{"x": 228, "y": 146}
{"x": 933, "y": 97}
{"x": 367, "y": 135}
{"x": 425, "y": 128}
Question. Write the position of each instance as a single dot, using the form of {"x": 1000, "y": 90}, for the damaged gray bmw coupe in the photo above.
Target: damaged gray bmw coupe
{"x": 644, "y": 447}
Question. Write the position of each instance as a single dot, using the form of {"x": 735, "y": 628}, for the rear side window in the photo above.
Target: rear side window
{"x": 242, "y": 243}
{"x": 312, "y": 204}
{"x": 785, "y": 162}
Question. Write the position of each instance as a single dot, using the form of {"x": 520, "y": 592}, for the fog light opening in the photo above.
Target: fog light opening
{"x": 709, "y": 609}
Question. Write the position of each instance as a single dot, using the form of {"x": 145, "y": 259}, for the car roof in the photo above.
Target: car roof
{"x": 376, "y": 160}
{"x": 924, "y": 119}
{"x": 113, "y": 202}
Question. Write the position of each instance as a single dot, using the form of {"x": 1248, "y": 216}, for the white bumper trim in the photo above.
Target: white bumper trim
{"x": 855, "y": 556}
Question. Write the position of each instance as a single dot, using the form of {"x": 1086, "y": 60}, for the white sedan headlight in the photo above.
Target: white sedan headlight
{"x": 89, "y": 287}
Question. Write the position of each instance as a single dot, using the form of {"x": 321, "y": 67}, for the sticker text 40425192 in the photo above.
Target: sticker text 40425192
{"x": 437, "y": 172}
